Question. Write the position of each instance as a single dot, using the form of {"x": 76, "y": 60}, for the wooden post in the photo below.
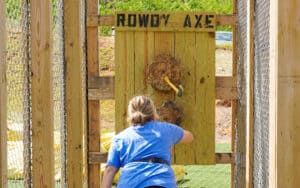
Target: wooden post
{"x": 93, "y": 105}
{"x": 3, "y": 98}
{"x": 284, "y": 101}
{"x": 75, "y": 95}
{"x": 250, "y": 92}
{"x": 42, "y": 118}
{"x": 234, "y": 101}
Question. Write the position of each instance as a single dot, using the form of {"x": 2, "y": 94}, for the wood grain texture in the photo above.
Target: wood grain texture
{"x": 41, "y": 95}
{"x": 165, "y": 21}
{"x": 3, "y": 97}
{"x": 75, "y": 99}
{"x": 288, "y": 92}
{"x": 102, "y": 88}
{"x": 273, "y": 74}
{"x": 185, "y": 52}
{"x": 205, "y": 79}
{"x": 93, "y": 104}
{"x": 120, "y": 81}
{"x": 237, "y": 177}
{"x": 109, "y": 20}
{"x": 250, "y": 102}
{"x": 135, "y": 50}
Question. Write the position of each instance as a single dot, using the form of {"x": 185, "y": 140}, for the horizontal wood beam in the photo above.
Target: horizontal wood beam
{"x": 97, "y": 157}
{"x": 102, "y": 88}
{"x": 224, "y": 158}
{"x": 109, "y": 20}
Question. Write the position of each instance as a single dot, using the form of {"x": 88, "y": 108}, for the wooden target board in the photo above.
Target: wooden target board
{"x": 190, "y": 38}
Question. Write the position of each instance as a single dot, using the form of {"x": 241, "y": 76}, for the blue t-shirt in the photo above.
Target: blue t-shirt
{"x": 137, "y": 142}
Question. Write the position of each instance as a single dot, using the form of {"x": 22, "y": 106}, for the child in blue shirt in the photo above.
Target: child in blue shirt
{"x": 143, "y": 150}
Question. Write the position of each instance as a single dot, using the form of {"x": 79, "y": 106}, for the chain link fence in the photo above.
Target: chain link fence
{"x": 18, "y": 111}
{"x": 18, "y": 88}
{"x": 261, "y": 94}
{"x": 19, "y": 106}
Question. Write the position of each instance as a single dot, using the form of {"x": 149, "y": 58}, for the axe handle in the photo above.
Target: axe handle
{"x": 166, "y": 79}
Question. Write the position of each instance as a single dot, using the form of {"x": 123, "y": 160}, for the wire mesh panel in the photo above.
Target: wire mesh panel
{"x": 58, "y": 89}
{"x": 261, "y": 94}
{"x": 19, "y": 105}
{"x": 17, "y": 86}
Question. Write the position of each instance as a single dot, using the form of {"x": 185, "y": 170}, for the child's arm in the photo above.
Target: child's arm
{"x": 108, "y": 177}
{"x": 187, "y": 137}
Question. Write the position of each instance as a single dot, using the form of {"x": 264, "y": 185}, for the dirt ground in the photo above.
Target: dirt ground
{"x": 223, "y": 107}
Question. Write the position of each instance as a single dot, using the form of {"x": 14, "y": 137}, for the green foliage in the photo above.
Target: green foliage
{"x": 13, "y": 9}
{"x": 217, "y": 6}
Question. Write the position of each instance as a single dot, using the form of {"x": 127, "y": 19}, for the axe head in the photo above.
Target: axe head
{"x": 180, "y": 90}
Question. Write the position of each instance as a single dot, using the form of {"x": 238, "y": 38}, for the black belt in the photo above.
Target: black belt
{"x": 152, "y": 160}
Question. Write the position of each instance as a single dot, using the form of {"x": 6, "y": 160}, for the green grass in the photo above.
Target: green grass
{"x": 208, "y": 176}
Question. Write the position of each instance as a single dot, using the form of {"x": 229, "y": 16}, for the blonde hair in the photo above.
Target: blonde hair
{"x": 141, "y": 110}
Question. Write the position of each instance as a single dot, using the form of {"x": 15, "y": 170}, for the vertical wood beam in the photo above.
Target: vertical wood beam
{"x": 273, "y": 94}
{"x": 75, "y": 95}
{"x": 42, "y": 114}
{"x": 284, "y": 166}
{"x": 3, "y": 98}
{"x": 93, "y": 105}
{"x": 250, "y": 99}
{"x": 233, "y": 102}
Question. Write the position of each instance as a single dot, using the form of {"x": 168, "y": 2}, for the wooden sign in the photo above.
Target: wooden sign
{"x": 165, "y": 21}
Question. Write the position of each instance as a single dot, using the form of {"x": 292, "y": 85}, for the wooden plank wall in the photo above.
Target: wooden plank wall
{"x": 75, "y": 95}
{"x": 196, "y": 51}
{"x": 284, "y": 167}
{"x": 41, "y": 95}
{"x": 130, "y": 77}
{"x": 3, "y": 97}
{"x": 93, "y": 104}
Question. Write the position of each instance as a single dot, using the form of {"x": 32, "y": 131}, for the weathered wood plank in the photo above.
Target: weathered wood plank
{"x": 237, "y": 173}
{"x": 41, "y": 95}
{"x": 150, "y": 53}
{"x": 97, "y": 157}
{"x": 93, "y": 104}
{"x": 75, "y": 96}
{"x": 3, "y": 97}
{"x": 165, "y": 21}
{"x": 109, "y": 20}
{"x": 140, "y": 64}
{"x": 250, "y": 127}
{"x": 285, "y": 83}
{"x": 102, "y": 88}
{"x": 121, "y": 80}
{"x": 185, "y": 51}
{"x": 205, "y": 97}
{"x": 129, "y": 71}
